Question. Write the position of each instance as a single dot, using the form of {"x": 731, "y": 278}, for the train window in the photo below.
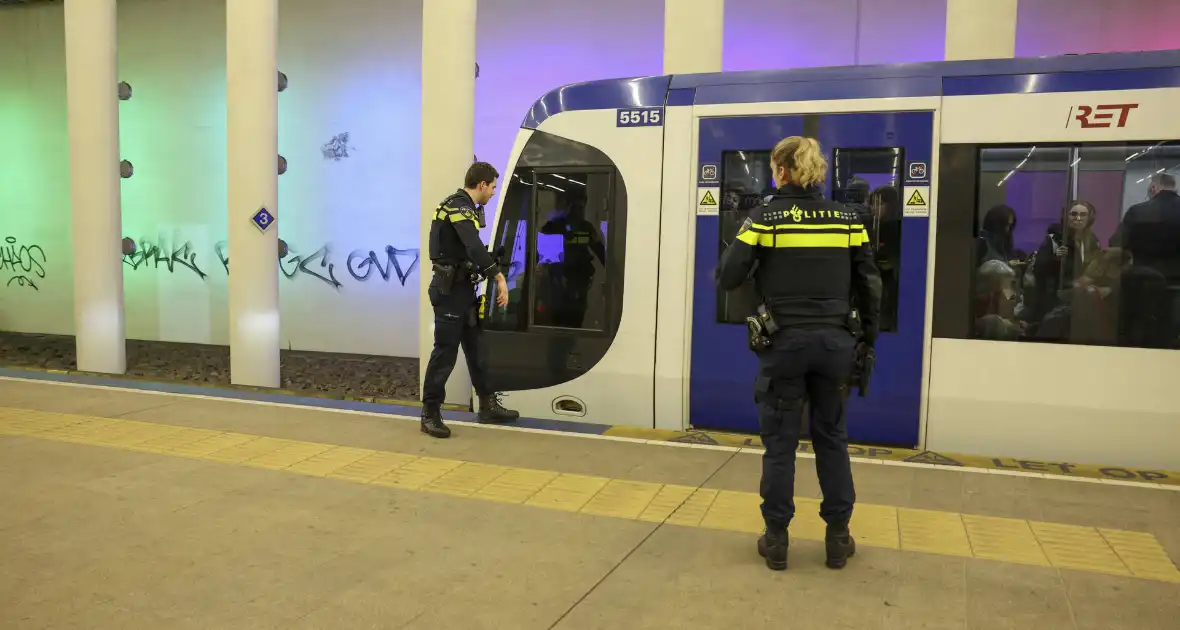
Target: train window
{"x": 745, "y": 181}
{"x": 563, "y": 226}
{"x": 573, "y": 217}
{"x": 868, "y": 181}
{"x": 1078, "y": 244}
{"x": 513, "y": 238}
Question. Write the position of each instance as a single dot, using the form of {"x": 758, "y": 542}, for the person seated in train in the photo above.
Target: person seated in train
{"x": 994, "y": 306}
{"x": 809, "y": 257}
{"x": 995, "y": 236}
{"x": 582, "y": 246}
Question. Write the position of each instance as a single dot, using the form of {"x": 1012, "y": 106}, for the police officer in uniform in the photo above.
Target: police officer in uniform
{"x": 813, "y": 260}
{"x": 460, "y": 263}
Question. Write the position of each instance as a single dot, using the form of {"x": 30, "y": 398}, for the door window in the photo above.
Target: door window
{"x": 869, "y": 181}
{"x": 745, "y": 182}
{"x": 866, "y": 179}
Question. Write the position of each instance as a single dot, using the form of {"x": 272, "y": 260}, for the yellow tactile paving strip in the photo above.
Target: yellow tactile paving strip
{"x": 1118, "y": 552}
{"x": 1065, "y": 470}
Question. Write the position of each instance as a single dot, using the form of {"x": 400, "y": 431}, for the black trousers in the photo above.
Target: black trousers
{"x": 813, "y": 364}
{"x": 456, "y": 322}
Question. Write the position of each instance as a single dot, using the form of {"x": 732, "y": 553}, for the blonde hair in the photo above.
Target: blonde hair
{"x": 803, "y": 159}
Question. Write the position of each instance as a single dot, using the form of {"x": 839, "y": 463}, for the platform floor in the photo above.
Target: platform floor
{"x": 131, "y": 509}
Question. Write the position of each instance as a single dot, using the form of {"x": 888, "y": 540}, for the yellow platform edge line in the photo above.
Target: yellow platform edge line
{"x": 1066, "y": 470}
{"x": 1110, "y": 551}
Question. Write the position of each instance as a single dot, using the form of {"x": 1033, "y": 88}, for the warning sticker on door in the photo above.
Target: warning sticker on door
{"x": 917, "y": 201}
{"x": 707, "y": 200}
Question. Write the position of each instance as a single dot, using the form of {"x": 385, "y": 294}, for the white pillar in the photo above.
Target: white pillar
{"x": 252, "y": 103}
{"x": 693, "y": 34}
{"x": 448, "y": 142}
{"x": 980, "y": 29}
{"x": 93, "y": 106}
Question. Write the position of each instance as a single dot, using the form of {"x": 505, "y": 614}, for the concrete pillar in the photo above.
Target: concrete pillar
{"x": 693, "y": 35}
{"x": 980, "y": 29}
{"x": 93, "y": 106}
{"x": 251, "y": 34}
{"x": 448, "y": 144}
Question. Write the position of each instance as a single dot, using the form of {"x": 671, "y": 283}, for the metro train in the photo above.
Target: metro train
{"x": 622, "y": 193}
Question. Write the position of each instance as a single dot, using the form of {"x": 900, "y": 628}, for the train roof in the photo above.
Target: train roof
{"x": 1068, "y": 73}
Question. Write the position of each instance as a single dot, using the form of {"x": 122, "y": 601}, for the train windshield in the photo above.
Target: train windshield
{"x": 563, "y": 226}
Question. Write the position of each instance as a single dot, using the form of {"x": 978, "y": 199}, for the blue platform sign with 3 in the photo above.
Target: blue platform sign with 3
{"x": 263, "y": 219}
{"x": 640, "y": 117}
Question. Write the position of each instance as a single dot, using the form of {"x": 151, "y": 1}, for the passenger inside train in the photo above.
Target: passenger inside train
{"x": 1072, "y": 289}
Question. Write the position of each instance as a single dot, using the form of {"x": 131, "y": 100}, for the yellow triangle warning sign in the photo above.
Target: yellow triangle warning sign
{"x": 708, "y": 199}
{"x": 930, "y": 457}
{"x": 916, "y": 199}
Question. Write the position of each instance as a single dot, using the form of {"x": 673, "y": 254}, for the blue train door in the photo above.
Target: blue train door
{"x": 885, "y": 154}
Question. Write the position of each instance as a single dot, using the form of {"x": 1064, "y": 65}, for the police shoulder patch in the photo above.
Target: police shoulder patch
{"x": 746, "y": 225}
{"x": 467, "y": 213}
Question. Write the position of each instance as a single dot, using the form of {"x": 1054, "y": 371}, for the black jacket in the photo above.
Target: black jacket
{"x": 814, "y": 261}
{"x": 1151, "y": 231}
{"x": 454, "y": 235}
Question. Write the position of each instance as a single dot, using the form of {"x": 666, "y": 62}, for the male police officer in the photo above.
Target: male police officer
{"x": 812, "y": 259}
{"x": 460, "y": 263}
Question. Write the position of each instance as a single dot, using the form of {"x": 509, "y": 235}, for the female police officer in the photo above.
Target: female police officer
{"x": 814, "y": 261}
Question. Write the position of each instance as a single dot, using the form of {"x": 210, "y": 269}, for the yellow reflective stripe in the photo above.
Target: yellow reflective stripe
{"x": 750, "y": 238}
{"x": 803, "y": 239}
{"x": 860, "y": 239}
{"x": 807, "y": 226}
{"x": 447, "y": 213}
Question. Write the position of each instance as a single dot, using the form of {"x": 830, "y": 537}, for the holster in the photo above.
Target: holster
{"x": 760, "y": 327}
{"x": 444, "y": 277}
{"x": 862, "y": 372}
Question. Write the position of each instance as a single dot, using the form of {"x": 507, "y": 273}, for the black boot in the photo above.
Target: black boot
{"x": 840, "y": 546}
{"x": 492, "y": 412}
{"x": 432, "y": 423}
{"x": 773, "y": 546}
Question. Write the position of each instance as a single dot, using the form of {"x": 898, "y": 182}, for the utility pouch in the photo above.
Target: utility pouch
{"x": 474, "y": 276}
{"x": 444, "y": 277}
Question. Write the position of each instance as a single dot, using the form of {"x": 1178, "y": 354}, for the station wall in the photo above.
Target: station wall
{"x": 349, "y": 129}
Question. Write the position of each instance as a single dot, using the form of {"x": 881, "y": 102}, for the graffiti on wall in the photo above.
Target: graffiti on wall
{"x": 394, "y": 264}
{"x": 322, "y": 264}
{"x": 161, "y": 255}
{"x": 21, "y": 265}
{"x": 337, "y": 148}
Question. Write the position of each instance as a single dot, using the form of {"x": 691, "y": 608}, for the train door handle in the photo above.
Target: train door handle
{"x": 569, "y": 406}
